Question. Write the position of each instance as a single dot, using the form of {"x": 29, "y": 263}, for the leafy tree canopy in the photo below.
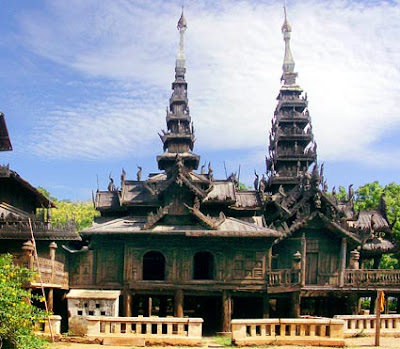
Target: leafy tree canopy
{"x": 82, "y": 212}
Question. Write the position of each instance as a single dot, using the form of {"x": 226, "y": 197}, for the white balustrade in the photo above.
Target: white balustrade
{"x": 318, "y": 332}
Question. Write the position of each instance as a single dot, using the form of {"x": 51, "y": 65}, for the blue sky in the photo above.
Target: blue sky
{"x": 85, "y": 85}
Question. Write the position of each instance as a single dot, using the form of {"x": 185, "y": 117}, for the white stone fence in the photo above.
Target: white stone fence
{"x": 365, "y": 325}
{"x": 316, "y": 332}
{"x": 141, "y": 330}
{"x": 44, "y": 327}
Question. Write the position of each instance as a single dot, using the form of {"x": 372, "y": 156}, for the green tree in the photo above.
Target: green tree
{"x": 82, "y": 212}
{"x": 368, "y": 197}
{"x": 17, "y": 314}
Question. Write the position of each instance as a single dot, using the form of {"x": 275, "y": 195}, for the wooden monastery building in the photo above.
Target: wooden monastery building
{"x": 183, "y": 243}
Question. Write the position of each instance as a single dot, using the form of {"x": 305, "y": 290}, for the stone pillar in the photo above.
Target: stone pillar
{"x": 303, "y": 260}
{"x": 296, "y": 304}
{"x": 28, "y": 248}
{"x": 354, "y": 260}
{"x": 226, "y": 311}
{"x": 266, "y": 306}
{"x": 178, "y": 303}
{"x": 343, "y": 249}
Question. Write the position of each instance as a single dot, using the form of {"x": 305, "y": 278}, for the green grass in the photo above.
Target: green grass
{"x": 224, "y": 341}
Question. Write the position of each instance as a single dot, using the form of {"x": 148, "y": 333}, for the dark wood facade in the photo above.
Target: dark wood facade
{"x": 183, "y": 243}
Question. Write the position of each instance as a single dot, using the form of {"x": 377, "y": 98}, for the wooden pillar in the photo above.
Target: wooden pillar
{"x": 372, "y": 306}
{"x": 303, "y": 259}
{"x": 269, "y": 259}
{"x": 398, "y": 305}
{"x": 296, "y": 304}
{"x": 178, "y": 303}
{"x": 266, "y": 306}
{"x": 127, "y": 303}
{"x": 353, "y": 300}
{"x": 150, "y": 305}
{"x": 377, "y": 261}
{"x": 226, "y": 311}
{"x": 50, "y": 299}
{"x": 343, "y": 249}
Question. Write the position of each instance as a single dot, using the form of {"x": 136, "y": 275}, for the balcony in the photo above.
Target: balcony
{"x": 362, "y": 278}
{"x": 52, "y": 273}
{"x": 372, "y": 278}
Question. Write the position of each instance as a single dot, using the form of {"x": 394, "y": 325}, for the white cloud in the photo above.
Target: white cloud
{"x": 346, "y": 53}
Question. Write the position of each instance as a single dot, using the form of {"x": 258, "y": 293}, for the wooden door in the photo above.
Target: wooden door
{"x": 311, "y": 268}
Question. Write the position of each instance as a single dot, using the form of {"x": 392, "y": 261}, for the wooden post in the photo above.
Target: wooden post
{"x": 226, "y": 311}
{"x": 266, "y": 306}
{"x": 378, "y": 318}
{"x": 343, "y": 249}
{"x": 50, "y": 299}
{"x": 303, "y": 260}
{"x": 127, "y": 303}
{"x": 178, "y": 306}
{"x": 296, "y": 304}
{"x": 150, "y": 306}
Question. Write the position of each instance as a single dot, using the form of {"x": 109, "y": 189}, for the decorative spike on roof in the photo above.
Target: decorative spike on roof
{"x": 292, "y": 148}
{"x": 288, "y": 76}
{"x": 179, "y": 137}
{"x": 182, "y": 25}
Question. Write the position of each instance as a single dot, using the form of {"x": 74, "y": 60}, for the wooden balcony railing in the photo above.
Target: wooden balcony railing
{"x": 52, "y": 272}
{"x": 372, "y": 277}
{"x": 283, "y": 277}
{"x": 352, "y": 278}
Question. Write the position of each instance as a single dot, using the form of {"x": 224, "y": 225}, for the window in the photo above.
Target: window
{"x": 153, "y": 266}
{"x": 203, "y": 266}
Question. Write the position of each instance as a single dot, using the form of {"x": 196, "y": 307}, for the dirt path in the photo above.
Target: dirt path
{"x": 354, "y": 343}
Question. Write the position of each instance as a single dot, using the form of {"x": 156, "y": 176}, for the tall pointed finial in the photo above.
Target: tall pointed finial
{"x": 289, "y": 77}
{"x": 182, "y": 25}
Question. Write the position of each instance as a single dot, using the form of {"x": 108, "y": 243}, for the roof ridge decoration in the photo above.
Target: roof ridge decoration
{"x": 152, "y": 218}
{"x": 206, "y": 219}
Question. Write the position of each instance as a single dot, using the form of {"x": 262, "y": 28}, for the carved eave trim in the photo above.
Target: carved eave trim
{"x": 200, "y": 193}
{"x": 206, "y": 220}
{"x": 152, "y": 218}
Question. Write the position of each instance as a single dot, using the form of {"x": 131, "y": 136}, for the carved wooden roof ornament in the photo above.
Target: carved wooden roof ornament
{"x": 5, "y": 143}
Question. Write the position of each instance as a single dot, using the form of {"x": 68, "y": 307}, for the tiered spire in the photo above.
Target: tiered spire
{"x": 179, "y": 138}
{"x": 292, "y": 148}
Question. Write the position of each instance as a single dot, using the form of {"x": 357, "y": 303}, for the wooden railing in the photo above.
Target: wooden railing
{"x": 352, "y": 278}
{"x": 153, "y": 330}
{"x": 365, "y": 325}
{"x": 372, "y": 277}
{"x": 283, "y": 277}
{"x": 51, "y": 272}
{"x": 318, "y": 332}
